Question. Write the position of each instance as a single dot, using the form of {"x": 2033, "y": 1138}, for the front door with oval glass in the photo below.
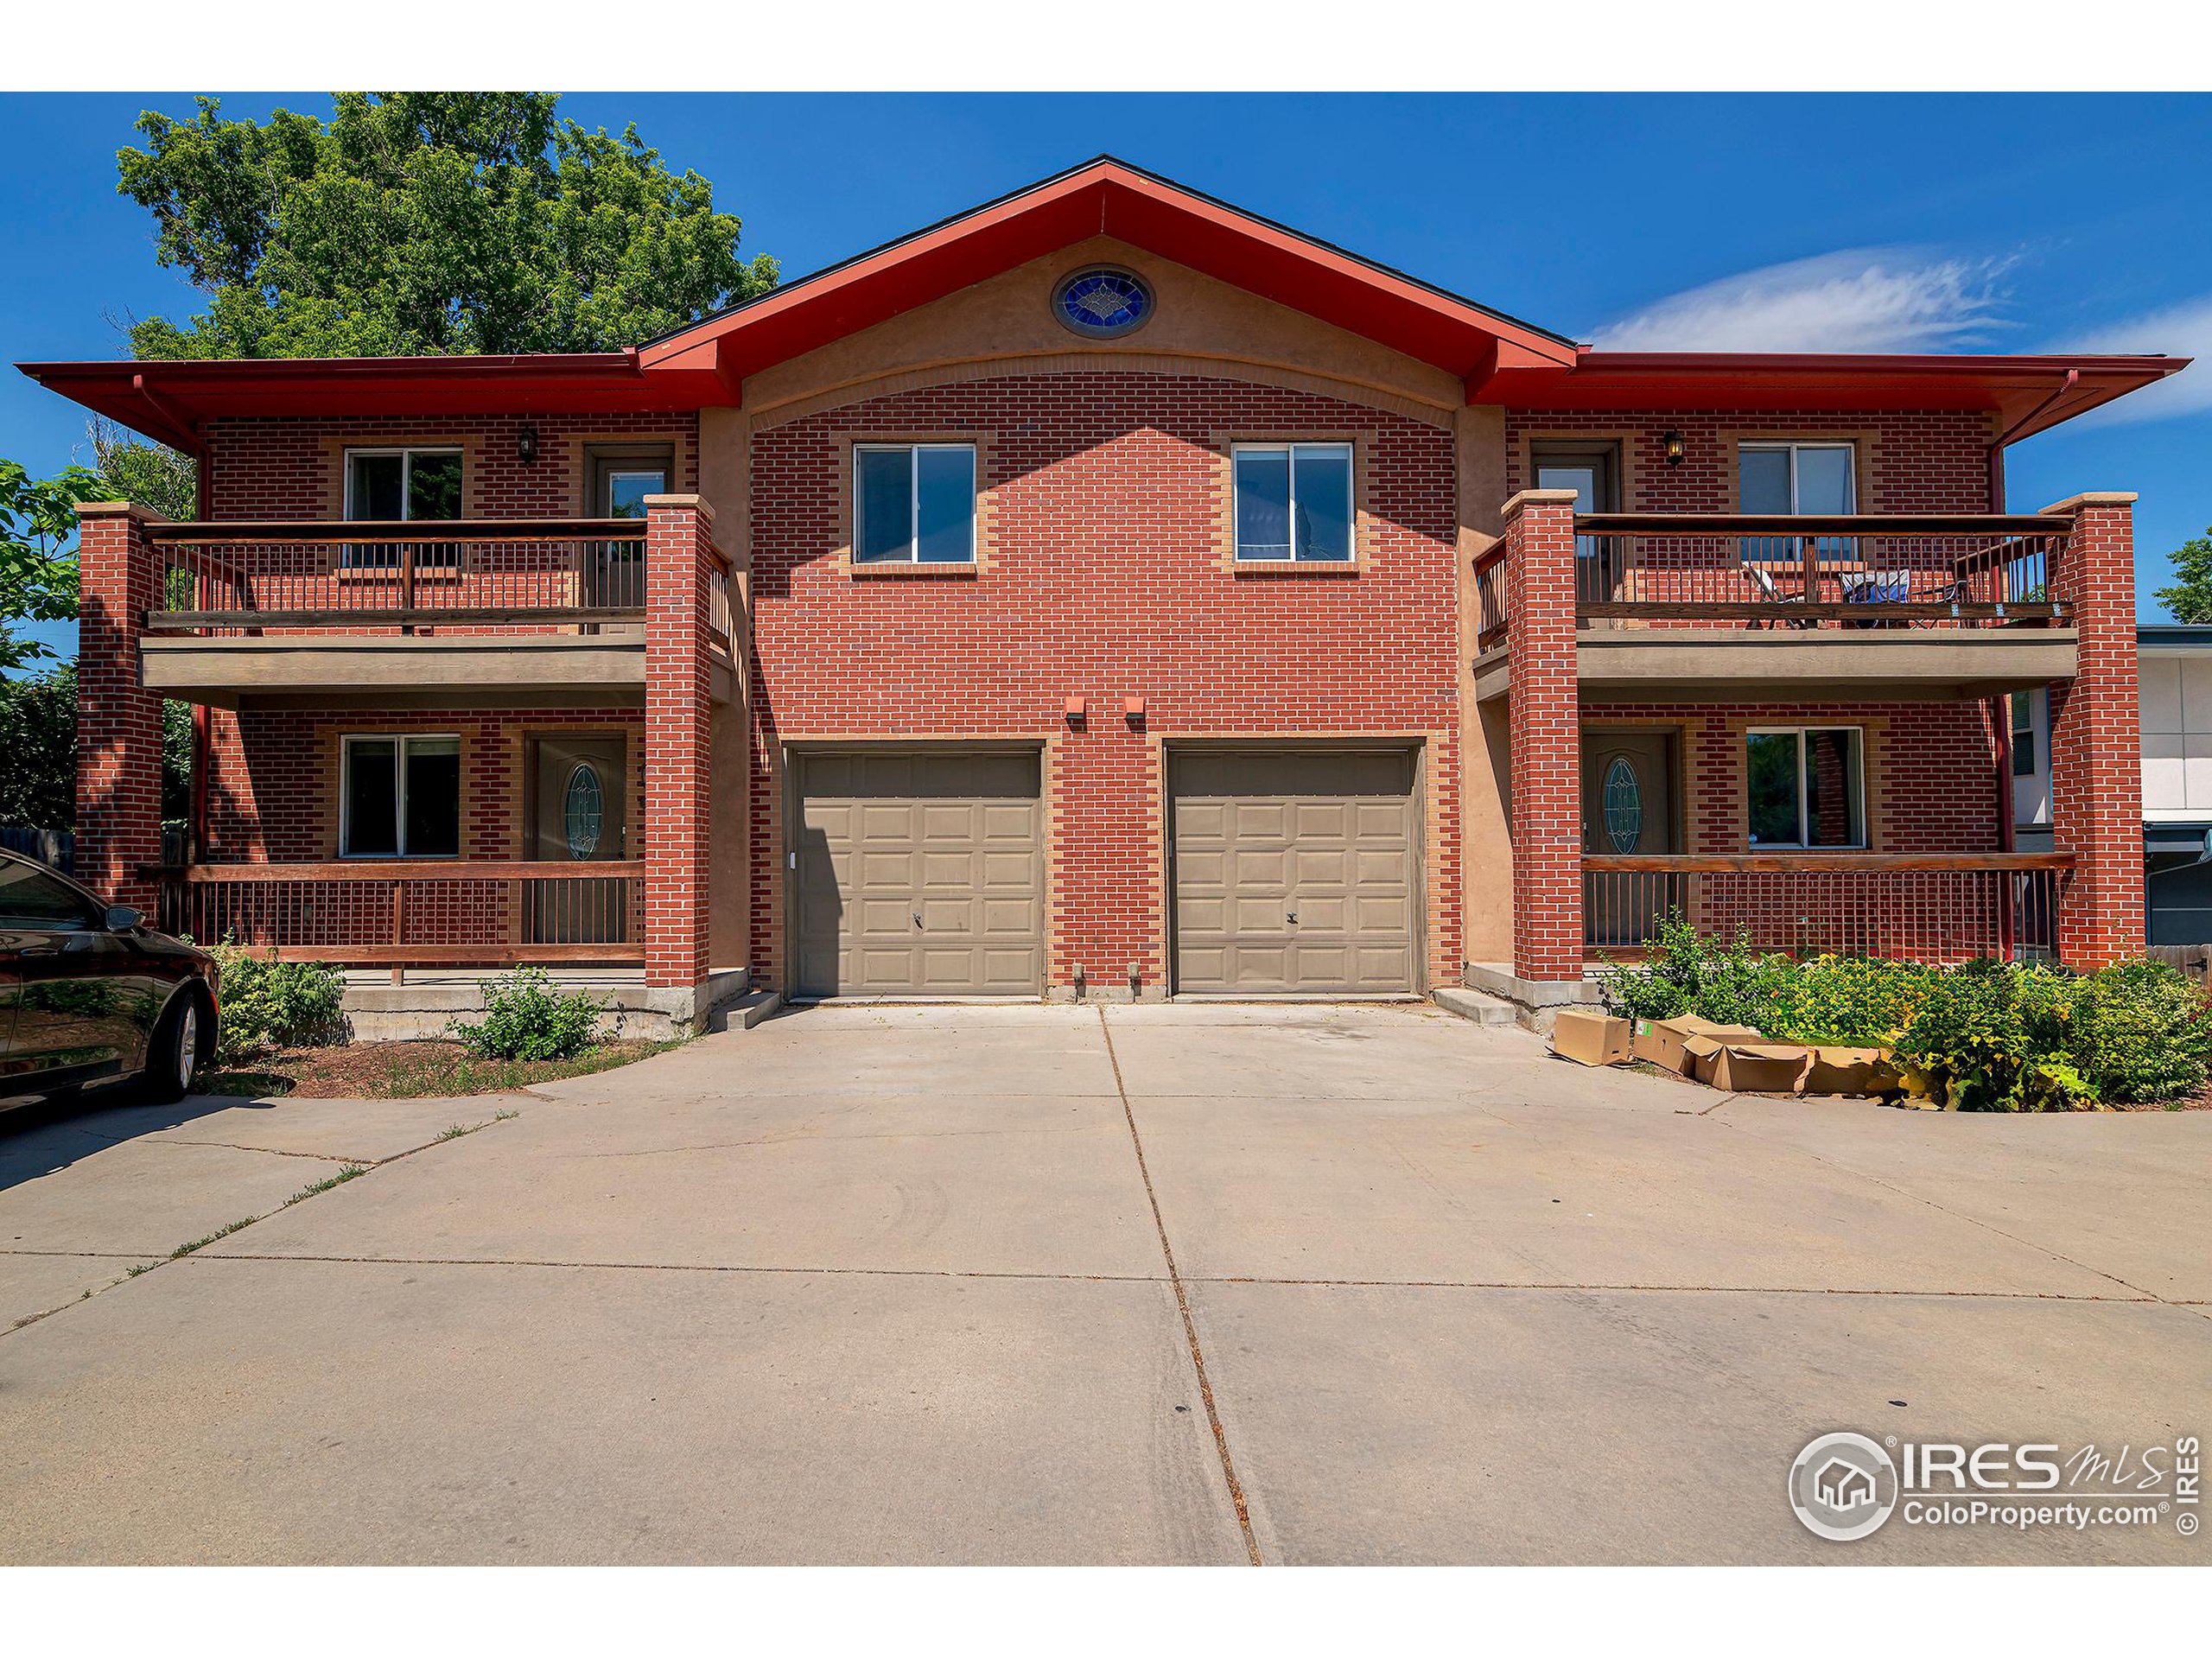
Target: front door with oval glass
{"x": 1628, "y": 808}
{"x": 579, "y": 798}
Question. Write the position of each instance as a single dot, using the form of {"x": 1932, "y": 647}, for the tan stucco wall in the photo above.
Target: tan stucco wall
{"x": 1486, "y": 847}
{"x": 1000, "y": 326}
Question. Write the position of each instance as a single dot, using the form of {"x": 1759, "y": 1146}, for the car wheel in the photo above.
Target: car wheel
{"x": 177, "y": 1053}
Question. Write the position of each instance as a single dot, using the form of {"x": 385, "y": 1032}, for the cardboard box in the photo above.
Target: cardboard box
{"x": 1661, "y": 1041}
{"x": 1753, "y": 1068}
{"x": 1851, "y": 1072}
{"x": 1588, "y": 1038}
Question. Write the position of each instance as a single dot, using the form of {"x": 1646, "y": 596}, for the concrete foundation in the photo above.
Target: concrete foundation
{"x": 429, "y": 1000}
{"x": 1535, "y": 1002}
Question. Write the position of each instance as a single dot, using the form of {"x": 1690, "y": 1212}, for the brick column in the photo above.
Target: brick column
{"x": 1543, "y": 727}
{"x": 118, "y": 721}
{"x": 2096, "y": 739}
{"x": 678, "y": 809}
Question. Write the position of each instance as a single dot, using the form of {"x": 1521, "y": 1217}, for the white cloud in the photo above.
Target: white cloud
{"x": 1854, "y": 300}
{"x": 2182, "y": 330}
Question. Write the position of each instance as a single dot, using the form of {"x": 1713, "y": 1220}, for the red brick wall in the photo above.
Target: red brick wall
{"x": 1909, "y": 462}
{"x": 1105, "y": 579}
{"x": 277, "y": 467}
{"x": 273, "y": 788}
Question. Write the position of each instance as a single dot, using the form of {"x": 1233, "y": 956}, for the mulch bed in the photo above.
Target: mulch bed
{"x": 408, "y": 1070}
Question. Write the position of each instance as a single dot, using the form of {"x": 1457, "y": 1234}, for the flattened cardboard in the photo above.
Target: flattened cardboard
{"x": 1750, "y": 1068}
{"x": 1661, "y": 1041}
{"x": 1846, "y": 1071}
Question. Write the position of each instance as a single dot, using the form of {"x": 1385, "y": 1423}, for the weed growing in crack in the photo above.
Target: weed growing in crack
{"x": 220, "y": 1232}
{"x": 345, "y": 1172}
{"x": 458, "y": 1130}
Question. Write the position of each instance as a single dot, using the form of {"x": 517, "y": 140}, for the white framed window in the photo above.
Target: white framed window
{"x": 402, "y": 485}
{"x": 914, "y": 503}
{"x": 399, "y": 796}
{"x": 1805, "y": 786}
{"x": 1293, "y": 502}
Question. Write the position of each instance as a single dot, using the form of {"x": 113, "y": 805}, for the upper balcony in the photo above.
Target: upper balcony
{"x": 550, "y": 610}
{"x": 1678, "y": 606}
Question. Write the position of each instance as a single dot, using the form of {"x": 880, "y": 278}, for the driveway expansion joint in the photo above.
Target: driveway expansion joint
{"x": 1183, "y": 1307}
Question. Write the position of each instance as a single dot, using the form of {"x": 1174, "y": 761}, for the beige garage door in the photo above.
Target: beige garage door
{"x": 918, "y": 875}
{"x": 1295, "y": 870}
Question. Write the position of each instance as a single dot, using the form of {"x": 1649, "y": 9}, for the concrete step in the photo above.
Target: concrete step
{"x": 1477, "y": 1006}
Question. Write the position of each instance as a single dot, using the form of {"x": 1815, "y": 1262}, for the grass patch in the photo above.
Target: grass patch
{"x": 409, "y": 1070}
{"x": 345, "y": 1172}
{"x": 220, "y": 1232}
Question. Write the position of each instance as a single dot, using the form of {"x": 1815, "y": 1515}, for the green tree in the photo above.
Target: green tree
{"x": 2189, "y": 600}
{"x": 38, "y": 554}
{"x": 426, "y": 223}
{"x": 38, "y": 735}
{"x": 152, "y": 474}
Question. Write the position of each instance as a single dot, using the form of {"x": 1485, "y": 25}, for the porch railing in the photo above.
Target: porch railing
{"x": 502, "y": 574}
{"x": 1929, "y": 907}
{"x": 1674, "y": 570}
{"x": 416, "y": 913}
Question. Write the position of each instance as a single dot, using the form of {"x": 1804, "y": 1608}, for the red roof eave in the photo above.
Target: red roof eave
{"x": 2029, "y": 394}
{"x": 171, "y": 399}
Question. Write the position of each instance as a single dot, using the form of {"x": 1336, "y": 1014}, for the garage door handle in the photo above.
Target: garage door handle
{"x": 1293, "y": 919}
{"x": 917, "y": 919}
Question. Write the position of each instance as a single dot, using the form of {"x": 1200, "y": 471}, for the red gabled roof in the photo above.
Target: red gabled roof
{"x": 1501, "y": 359}
{"x": 1106, "y": 197}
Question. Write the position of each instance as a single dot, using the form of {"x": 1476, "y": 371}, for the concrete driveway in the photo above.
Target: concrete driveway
{"x": 1296, "y": 1284}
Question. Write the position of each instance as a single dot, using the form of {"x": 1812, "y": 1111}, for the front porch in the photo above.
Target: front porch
{"x": 423, "y": 754}
{"x": 1800, "y": 739}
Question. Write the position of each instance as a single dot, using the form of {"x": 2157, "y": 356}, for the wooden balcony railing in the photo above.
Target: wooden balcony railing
{"x": 416, "y": 913}
{"x": 1923, "y": 570}
{"x": 1945, "y": 907}
{"x": 504, "y": 574}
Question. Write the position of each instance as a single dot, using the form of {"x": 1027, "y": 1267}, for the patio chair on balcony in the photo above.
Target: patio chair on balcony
{"x": 1762, "y": 584}
{"x": 1895, "y": 588}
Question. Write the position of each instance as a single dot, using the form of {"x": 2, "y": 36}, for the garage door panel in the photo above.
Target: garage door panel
{"x": 951, "y": 838}
{"x": 1329, "y": 836}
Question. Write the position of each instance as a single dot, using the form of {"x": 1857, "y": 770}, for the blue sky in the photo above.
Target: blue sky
{"x": 1993, "y": 223}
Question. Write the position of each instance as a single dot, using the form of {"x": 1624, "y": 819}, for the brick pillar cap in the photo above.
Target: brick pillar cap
{"x": 2093, "y": 499}
{"x": 1537, "y": 498}
{"x": 698, "y": 504}
{"x": 120, "y": 510}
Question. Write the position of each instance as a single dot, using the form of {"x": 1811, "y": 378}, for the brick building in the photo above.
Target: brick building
{"x": 1108, "y": 593}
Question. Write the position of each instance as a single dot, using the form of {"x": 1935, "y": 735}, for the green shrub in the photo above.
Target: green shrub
{"x": 526, "y": 1019}
{"x": 2141, "y": 1031}
{"x": 1989, "y": 1031}
{"x": 1849, "y": 999}
{"x": 1686, "y": 973}
{"x": 270, "y": 1004}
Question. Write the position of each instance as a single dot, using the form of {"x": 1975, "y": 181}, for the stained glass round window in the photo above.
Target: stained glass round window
{"x": 1623, "y": 805}
{"x": 1103, "y": 304}
{"x": 582, "y": 811}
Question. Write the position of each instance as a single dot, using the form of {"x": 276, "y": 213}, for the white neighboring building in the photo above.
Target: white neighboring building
{"x": 2174, "y": 673}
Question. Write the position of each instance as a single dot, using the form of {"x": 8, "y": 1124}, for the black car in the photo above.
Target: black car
{"x": 88, "y": 993}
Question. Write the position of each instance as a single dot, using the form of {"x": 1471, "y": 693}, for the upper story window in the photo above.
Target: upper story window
{"x": 399, "y": 798}
{"x": 914, "y": 503}
{"x": 402, "y": 485}
{"x": 1797, "y": 479}
{"x": 1293, "y": 502}
{"x": 1807, "y": 786}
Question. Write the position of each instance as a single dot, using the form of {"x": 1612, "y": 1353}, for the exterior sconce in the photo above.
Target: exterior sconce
{"x": 1133, "y": 710}
{"x": 1672, "y": 447}
{"x": 1074, "y": 709}
{"x": 526, "y": 445}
